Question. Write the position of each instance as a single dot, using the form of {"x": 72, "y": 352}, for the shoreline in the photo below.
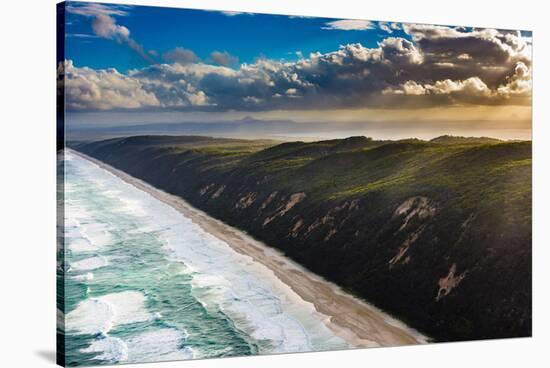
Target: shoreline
{"x": 357, "y": 322}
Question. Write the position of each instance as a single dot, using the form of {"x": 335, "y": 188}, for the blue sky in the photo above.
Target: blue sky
{"x": 247, "y": 36}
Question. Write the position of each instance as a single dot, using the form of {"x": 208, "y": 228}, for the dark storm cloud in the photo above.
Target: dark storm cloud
{"x": 458, "y": 54}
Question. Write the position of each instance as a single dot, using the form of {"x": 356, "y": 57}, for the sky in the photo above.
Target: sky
{"x": 131, "y": 64}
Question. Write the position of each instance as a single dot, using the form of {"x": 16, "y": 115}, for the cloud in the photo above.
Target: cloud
{"x": 224, "y": 58}
{"x": 180, "y": 55}
{"x": 80, "y": 35}
{"x": 519, "y": 84}
{"x": 93, "y": 9}
{"x": 489, "y": 54}
{"x": 472, "y": 90}
{"x": 349, "y": 25}
{"x": 407, "y": 88}
{"x": 88, "y": 89}
{"x": 177, "y": 85}
{"x": 231, "y": 13}
{"x": 389, "y": 27}
{"x": 105, "y": 25}
{"x": 473, "y": 87}
{"x": 436, "y": 66}
{"x": 401, "y": 51}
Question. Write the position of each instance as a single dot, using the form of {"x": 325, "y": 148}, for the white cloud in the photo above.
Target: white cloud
{"x": 94, "y": 9}
{"x": 80, "y": 35}
{"x": 458, "y": 90}
{"x": 401, "y": 51}
{"x": 472, "y": 86}
{"x": 231, "y": 13}
{"x": 88, "y": 89}
{"x": 519, "y": 84}
{"x": 407, "y": 88}
{"x": 349, "y": 25}
{"x": 395, "y": 26}
{"x": 105, "y": 25}
{"x": 389, "y": 27}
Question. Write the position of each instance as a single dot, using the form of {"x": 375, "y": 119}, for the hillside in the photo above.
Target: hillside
{"x": 436, "y": 233}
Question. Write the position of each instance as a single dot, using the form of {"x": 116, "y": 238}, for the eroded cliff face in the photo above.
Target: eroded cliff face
{"x": 430, "y": 254}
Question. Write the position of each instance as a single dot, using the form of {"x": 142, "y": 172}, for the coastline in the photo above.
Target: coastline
{"x": 354, "y": 320}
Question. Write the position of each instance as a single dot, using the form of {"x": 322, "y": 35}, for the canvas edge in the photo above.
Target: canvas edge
{"x": 60, "y": 178}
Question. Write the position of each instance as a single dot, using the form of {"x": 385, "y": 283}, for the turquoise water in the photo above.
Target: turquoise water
{"x": 144, "y": 283}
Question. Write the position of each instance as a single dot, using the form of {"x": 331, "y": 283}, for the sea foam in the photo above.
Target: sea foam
{"x": 256, "y": 301}
{"x": 248, "y": 292}
{"x": 101, "y": 314}
{"x": 87, "y": 237}
{"x": 152, "y": 346}
{"x": 158, "y": 345}
{"x": 110, "y": 349}
{"x": 88, "y": 264}
{"x": 84, "y": 277}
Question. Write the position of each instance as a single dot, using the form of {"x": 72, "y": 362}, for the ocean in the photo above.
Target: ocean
{"x": 144, "y": 283}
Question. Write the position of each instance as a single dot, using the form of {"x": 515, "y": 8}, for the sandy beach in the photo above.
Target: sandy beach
{"x": 354, "y": 320}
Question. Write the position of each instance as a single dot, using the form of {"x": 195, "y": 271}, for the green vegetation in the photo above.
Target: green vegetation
{"x": 386, "y": 220}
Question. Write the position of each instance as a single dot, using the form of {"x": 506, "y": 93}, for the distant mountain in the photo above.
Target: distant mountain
{"x": 243, "y": 127}
{"x": 436, "y": 233}
{"x": 288, "y": 130}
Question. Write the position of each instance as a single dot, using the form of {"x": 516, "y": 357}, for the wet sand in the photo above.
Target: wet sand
{"x": 354, "y": 320}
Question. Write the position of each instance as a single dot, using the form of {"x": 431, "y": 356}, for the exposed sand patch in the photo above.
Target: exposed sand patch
{"x": 449, "y": 282}
{"x": 282, "y": 210}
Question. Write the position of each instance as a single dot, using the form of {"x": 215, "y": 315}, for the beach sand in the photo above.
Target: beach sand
{"x": 350, "y": 318}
